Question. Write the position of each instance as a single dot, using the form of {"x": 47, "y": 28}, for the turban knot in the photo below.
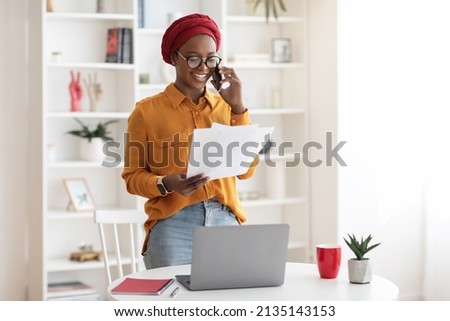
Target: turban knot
{"x": 185, "y": 28}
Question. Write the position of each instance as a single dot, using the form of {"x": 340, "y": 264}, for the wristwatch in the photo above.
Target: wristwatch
{"x": 161, "y": 187}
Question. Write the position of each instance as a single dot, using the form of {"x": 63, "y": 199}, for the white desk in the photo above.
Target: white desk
{"x": 302, "y": 282}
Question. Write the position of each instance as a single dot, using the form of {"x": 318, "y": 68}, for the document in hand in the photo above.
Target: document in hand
{"x": 223, "y": 151}
{"x": 142, "y": 286}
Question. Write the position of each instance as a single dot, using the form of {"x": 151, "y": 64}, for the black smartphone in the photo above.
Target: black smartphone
{"x": 217, "y": 78}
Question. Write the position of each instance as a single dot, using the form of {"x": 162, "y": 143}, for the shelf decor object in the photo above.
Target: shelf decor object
{"x": 270, "y": 6}
{"x": 281, "y": 50}
{"x": 100, "y": 131}
{"x": 50, "y": 6}
{"x": 92, "y": 140}
{"x": 94, "y": 90}
{"x": 76, "y": 92}
{"x": 100, "y": 6}
{"x": 119, "y": 45}
{"x": 79, "y": 195}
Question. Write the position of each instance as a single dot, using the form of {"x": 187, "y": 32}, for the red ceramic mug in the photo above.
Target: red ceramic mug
{"x": 328, "y": 260}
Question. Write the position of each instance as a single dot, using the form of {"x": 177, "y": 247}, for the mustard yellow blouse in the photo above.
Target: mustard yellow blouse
{"x": 158, "y": 139}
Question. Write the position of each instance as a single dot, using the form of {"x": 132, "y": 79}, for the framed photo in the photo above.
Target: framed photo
{"x": 79, "y": 194}
{"x": 281, "y": 50}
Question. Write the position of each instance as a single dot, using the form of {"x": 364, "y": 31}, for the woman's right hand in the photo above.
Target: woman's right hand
{"x": 185, "y": 186}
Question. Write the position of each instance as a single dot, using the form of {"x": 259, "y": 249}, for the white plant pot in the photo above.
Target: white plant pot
{"x": 93, "y": 150}
{"x": 359, "y": 271}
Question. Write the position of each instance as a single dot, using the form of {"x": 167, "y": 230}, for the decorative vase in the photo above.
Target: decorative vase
{"x": 100, "y": 6}
{"x": 93, "y": 150}
{"x": 359, "y": 271}
{"x": 50, "y": 6}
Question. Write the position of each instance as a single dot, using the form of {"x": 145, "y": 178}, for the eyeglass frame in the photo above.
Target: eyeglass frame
{"x": 202, "y": 60}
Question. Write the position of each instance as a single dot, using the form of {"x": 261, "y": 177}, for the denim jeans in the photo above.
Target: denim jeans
{"x": 170, "y": 241}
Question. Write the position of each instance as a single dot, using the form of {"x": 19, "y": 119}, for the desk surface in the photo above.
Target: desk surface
{"x": 302, "y": 282}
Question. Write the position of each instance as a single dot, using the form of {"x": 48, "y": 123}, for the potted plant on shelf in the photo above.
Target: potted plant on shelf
{"x": 269, "y": 6}
{"x": 91, "y": 146}
{"x": 359, "y": 268}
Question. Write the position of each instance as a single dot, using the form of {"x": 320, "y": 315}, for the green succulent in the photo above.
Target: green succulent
{"x": 270, "y": 5}
{"x": 101, "y": 131}
{"x": 360, "y": 248}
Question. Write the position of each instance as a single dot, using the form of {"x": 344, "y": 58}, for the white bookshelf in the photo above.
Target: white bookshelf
{"x": 79, "y": 33}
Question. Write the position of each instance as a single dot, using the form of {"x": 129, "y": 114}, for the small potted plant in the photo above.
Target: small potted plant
{"x": 359, "y": 268}
{"x": 91, "y": 146}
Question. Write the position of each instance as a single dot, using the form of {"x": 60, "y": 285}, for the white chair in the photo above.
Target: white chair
{"x": 125, "y": 229}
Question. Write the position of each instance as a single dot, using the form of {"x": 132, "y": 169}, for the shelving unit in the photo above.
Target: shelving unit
{"x": 282, "y": 191}
{"x": 79, "y": 33}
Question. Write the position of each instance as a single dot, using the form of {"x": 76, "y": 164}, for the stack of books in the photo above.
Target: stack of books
{"x": 119, "y": 48}
{"x": 71, "y": 291}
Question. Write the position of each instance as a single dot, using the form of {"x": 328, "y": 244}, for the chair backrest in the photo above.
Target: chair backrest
{"x": 125, "y": 229}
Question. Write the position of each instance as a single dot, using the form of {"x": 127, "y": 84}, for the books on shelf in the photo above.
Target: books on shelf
{"x": 144, "y": 13}
{"x": 141, "y": 13}
{"x": 84, "y": 297}
{"x": 142, "y": 286}
{"x": 71, "y": 291}
{"x": 127, "y": 46}
{"x": 119, "y": 48}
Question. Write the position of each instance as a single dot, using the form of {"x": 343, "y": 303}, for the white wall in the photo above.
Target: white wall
{"x": 13, "y": 146}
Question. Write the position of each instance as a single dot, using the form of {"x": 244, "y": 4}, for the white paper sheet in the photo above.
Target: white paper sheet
{"x": 224, "y": 151}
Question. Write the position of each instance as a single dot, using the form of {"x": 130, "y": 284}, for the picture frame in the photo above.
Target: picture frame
{"x": 80, "y": 197}
{"x": 281, "y": 50}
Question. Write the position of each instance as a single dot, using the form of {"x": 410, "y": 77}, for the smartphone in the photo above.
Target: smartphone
{"x": 217, "y": 78}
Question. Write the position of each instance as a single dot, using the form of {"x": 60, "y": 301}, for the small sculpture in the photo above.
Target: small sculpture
{"x": 76, "y": 92}
{"x": 50, "y": 6}
{"x": 85, "y": 253}
{"x": 100, "y": 6}
{"x": 94, "y": 90}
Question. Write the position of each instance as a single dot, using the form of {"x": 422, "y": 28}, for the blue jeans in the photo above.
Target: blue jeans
{"x": 170, "y": 241}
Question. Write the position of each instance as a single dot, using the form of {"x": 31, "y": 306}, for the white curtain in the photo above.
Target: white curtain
{"x": 394, "y": 110}
{"x": 437, "y": 210}
{"x": 437, "y": 257}
{"x": 436, "y": 152}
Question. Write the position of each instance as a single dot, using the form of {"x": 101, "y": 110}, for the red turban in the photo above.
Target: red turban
{"x": 183, "y": 29}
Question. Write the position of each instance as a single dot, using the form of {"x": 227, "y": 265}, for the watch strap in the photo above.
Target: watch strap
{"x": 162, "y": 188}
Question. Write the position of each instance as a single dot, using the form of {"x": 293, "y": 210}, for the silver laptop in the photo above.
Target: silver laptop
{"x": 243, "y": 256}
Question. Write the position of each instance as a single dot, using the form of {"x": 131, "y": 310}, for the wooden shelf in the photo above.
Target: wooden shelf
{"x": 80, "y": 164}
{"x": 266, "y": 65}
{"x": 63, "y": 214}
{"x": 89, "y": 16}
{"x": 262, "y": 19}
{"x": 276, "y": 111}
{"x": 150, "y": 31}
{"x": 273, "y": 202}
{"x": 93, "y": 115}
{"x": 91, "y": 65}
{"x": 60, "y": 264}
{"x": 158, "y": 87}
{"x": 288, "y": 157}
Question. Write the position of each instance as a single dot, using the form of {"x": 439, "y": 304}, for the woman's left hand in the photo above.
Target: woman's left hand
{"x": 232, "y": 92}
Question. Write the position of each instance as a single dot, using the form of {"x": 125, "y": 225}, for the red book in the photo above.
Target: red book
{"x": 114, "y": 45}
{"x": 142, "y": 286}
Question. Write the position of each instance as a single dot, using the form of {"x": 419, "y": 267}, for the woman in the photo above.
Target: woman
{"x": 157, "y": 149}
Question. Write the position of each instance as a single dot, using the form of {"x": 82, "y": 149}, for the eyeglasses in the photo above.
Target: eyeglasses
{"x": 194, "y": 62}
